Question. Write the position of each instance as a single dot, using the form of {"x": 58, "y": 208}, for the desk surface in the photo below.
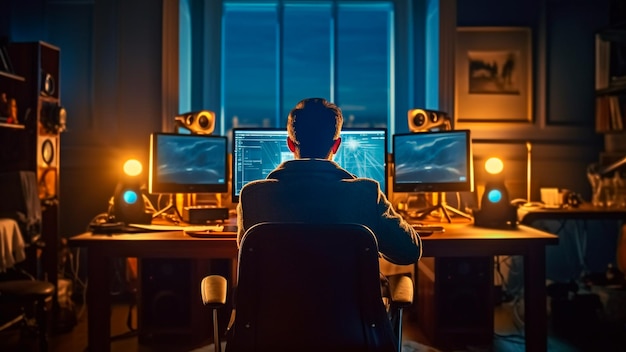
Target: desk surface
{"x": 585, "y": 211}
{"x": 165, "y": 244}
{"x": 454, "y": 241}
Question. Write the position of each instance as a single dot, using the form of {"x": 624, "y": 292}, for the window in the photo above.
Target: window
{"x": 251, "y": 61}
{"x": 274, "y": 54}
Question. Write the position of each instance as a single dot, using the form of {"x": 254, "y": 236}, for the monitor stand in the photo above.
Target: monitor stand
{"x": 170, "y": 205}
{"x": 443, "y": 208}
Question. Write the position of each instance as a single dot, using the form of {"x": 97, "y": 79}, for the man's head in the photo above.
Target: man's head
{"x": 314, "y": 126}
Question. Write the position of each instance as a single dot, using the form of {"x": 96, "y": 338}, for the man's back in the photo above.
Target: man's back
{"x": 319, "y": 191}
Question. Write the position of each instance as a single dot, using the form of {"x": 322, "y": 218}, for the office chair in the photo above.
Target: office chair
{"x": 309, "y": 287}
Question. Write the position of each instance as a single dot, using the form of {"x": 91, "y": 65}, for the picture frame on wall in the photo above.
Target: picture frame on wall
{"x": 493, "y": 74}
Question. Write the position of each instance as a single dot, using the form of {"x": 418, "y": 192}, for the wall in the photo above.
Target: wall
{"x": 111, "y": 74}
{"x": 110, "y": 86}
{"x": 562, "y": 130}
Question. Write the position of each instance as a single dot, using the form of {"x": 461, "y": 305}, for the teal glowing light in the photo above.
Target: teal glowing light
{"x": 494, "y": 196}
{"x": 130, "y": 197}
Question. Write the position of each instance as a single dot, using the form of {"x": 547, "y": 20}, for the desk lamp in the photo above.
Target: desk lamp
{"x": 128, "y": 205}
{"x": 496, "y": 210}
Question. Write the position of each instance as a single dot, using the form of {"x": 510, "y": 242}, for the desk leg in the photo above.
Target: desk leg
{"x": 536, "y": 325}
{"x": 98, "y": 302}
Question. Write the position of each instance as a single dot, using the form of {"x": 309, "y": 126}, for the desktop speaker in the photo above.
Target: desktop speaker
{"x": 496, "y": 211}
{"x": 422, "y": 120}
{"x": 198, "y": 122}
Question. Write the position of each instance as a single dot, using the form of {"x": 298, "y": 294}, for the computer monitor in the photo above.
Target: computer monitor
{"x": 188, "y": 163}
{"x": 258, "y": 151}
{"x": 433, "y": 162}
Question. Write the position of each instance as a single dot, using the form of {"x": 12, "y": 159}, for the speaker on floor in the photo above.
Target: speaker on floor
{"x": 464, "y": 300}
{"x": 170, "y": 309}
{"x": 165, "y": 293}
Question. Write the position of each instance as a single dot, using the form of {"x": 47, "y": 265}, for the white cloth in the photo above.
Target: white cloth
{"x": 11, "y": 244}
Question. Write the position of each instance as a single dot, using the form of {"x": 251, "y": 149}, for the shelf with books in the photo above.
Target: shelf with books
{"x": 611, "y": 112}
{"x": 610, "y": 87}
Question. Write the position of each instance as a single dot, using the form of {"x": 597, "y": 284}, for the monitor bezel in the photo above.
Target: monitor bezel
{"x": 155, "y": 186}
{"x": 235, "y": 198}
{"x": 467, "y": 186}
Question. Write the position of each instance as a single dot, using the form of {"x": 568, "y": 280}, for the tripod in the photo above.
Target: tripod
{"x": 443, "y": 208}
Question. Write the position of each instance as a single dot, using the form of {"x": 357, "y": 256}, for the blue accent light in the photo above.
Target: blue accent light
{"x": 130, "y": 197}
{"x": 494, "y": 196}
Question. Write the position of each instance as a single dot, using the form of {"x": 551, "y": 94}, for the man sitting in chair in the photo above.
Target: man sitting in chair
{"x": 313, "y": 188}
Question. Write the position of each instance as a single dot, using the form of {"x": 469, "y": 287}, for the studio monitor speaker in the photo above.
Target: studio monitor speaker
{"x": 165, "y": 292}
{"x": 170, "y": 307}
{"x": 422, "y": 120}
{"x": 197, "y": 122}
{"x": 458, "y": 303}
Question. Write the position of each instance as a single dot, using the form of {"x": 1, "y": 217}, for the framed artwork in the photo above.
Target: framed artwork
{"x": 493, "y": 77}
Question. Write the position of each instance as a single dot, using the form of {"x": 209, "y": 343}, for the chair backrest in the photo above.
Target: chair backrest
{"x": 309, "y": 287}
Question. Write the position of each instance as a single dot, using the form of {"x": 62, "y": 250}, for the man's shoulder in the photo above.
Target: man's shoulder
{"x": 258, "y": 183}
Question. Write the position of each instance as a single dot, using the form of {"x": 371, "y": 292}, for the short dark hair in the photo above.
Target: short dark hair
{"x": 313, "y": 125}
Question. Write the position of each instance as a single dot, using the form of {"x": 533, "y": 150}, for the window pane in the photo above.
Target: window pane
{"x": 249, "y": 65}
{"x": 306, "y": 53}
{"x": 363, "y": 77}
{"x": 271, "y": 62}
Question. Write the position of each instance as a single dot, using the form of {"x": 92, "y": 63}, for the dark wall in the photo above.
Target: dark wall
{"x": 562, "y": 131}
{"x": 110, "y": 86}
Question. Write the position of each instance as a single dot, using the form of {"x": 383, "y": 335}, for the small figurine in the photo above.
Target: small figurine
{"x": 4, "y": 105}
{"x": 12, "y": 111}
{"x": 8, "y": 108}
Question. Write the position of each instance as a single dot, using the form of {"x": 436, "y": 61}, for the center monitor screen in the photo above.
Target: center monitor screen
{"x": 258, "y": 151}
{"x": 433, "y": 162}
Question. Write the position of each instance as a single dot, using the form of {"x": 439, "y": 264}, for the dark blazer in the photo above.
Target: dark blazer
{"x": 317, "y": 190}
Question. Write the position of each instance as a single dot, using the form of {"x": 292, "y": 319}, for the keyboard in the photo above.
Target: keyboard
{"x": 427, "y": 229}
{"x": 158, "y": 227}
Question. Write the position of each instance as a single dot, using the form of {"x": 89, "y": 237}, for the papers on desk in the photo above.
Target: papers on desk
{"x": 204, "y": 228}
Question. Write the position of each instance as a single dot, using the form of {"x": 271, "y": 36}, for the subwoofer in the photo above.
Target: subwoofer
{"x": 165, "y": 291}
{"x": 170, "y": 307}
{"x": 458, "y": 303}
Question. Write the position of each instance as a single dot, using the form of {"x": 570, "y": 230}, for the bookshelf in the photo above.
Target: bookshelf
{"x": 610, "y": 91}
{"x": 611, "y": 80}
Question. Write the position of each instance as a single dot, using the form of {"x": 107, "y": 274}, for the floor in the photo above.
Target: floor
{"x": 507, "y": 336}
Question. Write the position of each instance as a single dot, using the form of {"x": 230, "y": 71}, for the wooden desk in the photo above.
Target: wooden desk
{"x": 102, "y": 248}
{"x": 586, "y": 211}
{"x": 457, "y": 240}
{"x": 465, "y": 240}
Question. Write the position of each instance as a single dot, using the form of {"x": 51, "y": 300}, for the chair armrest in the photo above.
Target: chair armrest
{"x": 401, "y": 287}
{"x": 213, "y": 288}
